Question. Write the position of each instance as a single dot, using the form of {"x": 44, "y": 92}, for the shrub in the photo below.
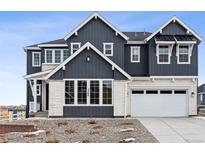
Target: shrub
{"x": 62, "y": 123}
{"x": 92, "y": 121}
{"x": 85, "y": 141}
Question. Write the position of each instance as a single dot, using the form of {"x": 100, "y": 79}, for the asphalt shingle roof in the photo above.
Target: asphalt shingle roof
{"x": 137, "y": 36}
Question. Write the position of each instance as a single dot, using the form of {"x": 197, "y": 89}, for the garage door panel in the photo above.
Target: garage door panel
{"x": 158, "y": 105}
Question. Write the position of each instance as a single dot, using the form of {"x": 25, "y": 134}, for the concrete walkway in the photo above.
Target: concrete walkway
{"x": 176, "y": 130}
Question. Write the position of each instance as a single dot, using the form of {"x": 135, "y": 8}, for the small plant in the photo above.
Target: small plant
{"x": 62, "y": 123}
{"x": 97, "y": 127}
{"x": 85, "y": 141}
{"x": 94, "y": 132}
{"x": 70, "y": 131}
{"x": 48, "y": 132}
{"x": 92, "y": 121}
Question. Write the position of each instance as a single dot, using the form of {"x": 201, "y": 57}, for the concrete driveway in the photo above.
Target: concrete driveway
{"x": 176, "y": 130}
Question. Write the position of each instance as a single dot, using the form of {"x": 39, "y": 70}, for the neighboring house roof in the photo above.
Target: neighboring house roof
{"x": 174, "y": 19}
{"x": 137, "y": 36}
{"x": 201, "y": 88}
{"x": 87, "y": 45}
{"x": 95, "y": 15}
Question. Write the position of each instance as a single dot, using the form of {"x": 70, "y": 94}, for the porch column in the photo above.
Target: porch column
{"x": 43, "y": 95}
{"x": 35, "y": 95}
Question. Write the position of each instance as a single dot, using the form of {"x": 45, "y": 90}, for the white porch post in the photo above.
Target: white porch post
{"x": 35, "y": 95}
{"x": 43, "y": 95}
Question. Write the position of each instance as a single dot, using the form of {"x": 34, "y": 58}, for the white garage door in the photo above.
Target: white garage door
{"x": 158, "y": 103}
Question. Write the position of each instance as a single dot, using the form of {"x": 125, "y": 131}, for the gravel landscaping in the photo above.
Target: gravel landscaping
{"x": 81, "y": 131}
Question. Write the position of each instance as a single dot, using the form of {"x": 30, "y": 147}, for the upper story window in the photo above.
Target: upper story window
{"x": 108, "y": 49}
{"x": 56, "y": 55}
{"x": 36, "y": 59}
{"x": 75, "y": 46}
{"x": 164, "y": 53}
{"x": 183, "y": 54}
{"x": 135, "y": 54}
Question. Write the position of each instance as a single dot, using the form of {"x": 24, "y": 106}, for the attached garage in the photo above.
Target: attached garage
{"x": 159, "y": 103}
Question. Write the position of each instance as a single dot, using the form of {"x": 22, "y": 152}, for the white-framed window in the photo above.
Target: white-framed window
{"x": 164, "y": 54}
{"x": 74, "y": 46}
{"x": 108, "y": 49}
{"x": 38, "y": 89}
{"x": 135, "y": 54}
{"x": 36, "y": 59}
{"x": 56, "y": 56}
{"x": 183, "y": 54}
{"x": 91, "y": 92}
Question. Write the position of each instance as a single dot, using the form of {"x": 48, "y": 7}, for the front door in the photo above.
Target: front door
{"x": 88, "y": 92}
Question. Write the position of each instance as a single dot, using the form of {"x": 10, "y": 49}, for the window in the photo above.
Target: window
{"x": 57, "y": 56}
{"x": 75, "y": 46}
{"x": 66, "y": 54}
{"x": 165, "y": 92}
{"x": 38, "y": 90}
{"x": 163, "y": 57}
{"x": 135, "y": 54}
{"x": 94, "y": 92}
{"x": 107, "y": 92}
{"x": 69, "y": 92}
{"x": 82, "y": 92}
{"x": 138, "y": 92}
{"x": 108, "y": 49}
{"x": 49, "y": 56}
{"x": 36, "y": 59}
{"x": 179, "y": 92}
{"x": 151, "y": 92}
{"x": 183, "y": 55}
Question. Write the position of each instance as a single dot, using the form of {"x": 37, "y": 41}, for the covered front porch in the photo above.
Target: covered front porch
{"x": 37, "y": 95}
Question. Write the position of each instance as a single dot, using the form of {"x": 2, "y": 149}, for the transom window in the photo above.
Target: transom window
{"x": 108, "y": 49}
{"x": 135, "y": 54}
{"x": 75, "y": 46}
{"x": 163, "y": 55}
{"x": 56, "y": 55}
{"x": 36, "y": 59}
{"x": 183, "y": 55}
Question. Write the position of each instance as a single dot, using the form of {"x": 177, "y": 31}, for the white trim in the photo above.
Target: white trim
{"x": 136, "y": 42}
{"x": 104, "y": 49}
{"x": 170, "y": 48}
{"x": 74, "y": 43}
{"x": 52, "y": 45}
{"x": 31, "y": 48}
{"x": 186, "y": 42}
{"x": 190, "y": 49}
{"x": 38, "y": 91}
{"x": 79, "y": 51}
{"x": 95, "y": 15}
{"x": 39, "y": 53}
{"x": 164, "y": 42}
{"x": 36, "y": 74}
{"x": 167, "y": 23}
{"x": 176, "y": 77}
{"x": 53, "y": 55}
{"x": 131, "y": 54}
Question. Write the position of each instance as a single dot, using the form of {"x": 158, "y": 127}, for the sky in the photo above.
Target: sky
{"x": 19, "y": 29}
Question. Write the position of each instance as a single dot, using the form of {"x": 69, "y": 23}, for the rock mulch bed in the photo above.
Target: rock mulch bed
{"x": 81, "y": 131}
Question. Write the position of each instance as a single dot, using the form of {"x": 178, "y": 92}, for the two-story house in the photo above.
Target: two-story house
{"x": 98, "y": 71}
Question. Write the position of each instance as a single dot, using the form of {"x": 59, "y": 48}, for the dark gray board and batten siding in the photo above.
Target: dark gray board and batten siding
{"x": 96, "y": 68}
{"x": 172, "y": 69}
{"x": 97, "y": 32}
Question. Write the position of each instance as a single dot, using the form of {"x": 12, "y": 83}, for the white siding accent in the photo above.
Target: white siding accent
{"x": 188, "y": 84}
{"x": 46, "y": 67}
{"x": 56, "y": 97}
{"x": 119, "y": 97}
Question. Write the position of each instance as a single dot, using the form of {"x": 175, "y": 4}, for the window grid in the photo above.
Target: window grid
{"x": 49, "y": 56}
{"x": 36, "y": 59}
{"x": 75, "y": 46}
{"x": 108, "y": 49}
{"x": 183, "y": 54}
{"x": 94, "y": 92}
{"x": 57, "y": 56}
{"x": 69, "y": 92}
{"x": 163, "y": 54}
{"x": 66, "y": 54}
{"x": 135, "y": 54}
{"x": 82, "y": 92}
{"x": 107, "y": 92}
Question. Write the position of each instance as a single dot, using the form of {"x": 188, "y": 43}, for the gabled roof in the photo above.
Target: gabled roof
{"x": 88, "y": 46}
{"x": 39, "y": 75}
{"x": 95, "y": 15}
{"x": 175, "y": 19}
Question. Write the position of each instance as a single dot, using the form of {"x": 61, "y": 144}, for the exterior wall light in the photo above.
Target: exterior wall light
{"x": 192, "y": 94}
{"x": 88, "y": 59}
